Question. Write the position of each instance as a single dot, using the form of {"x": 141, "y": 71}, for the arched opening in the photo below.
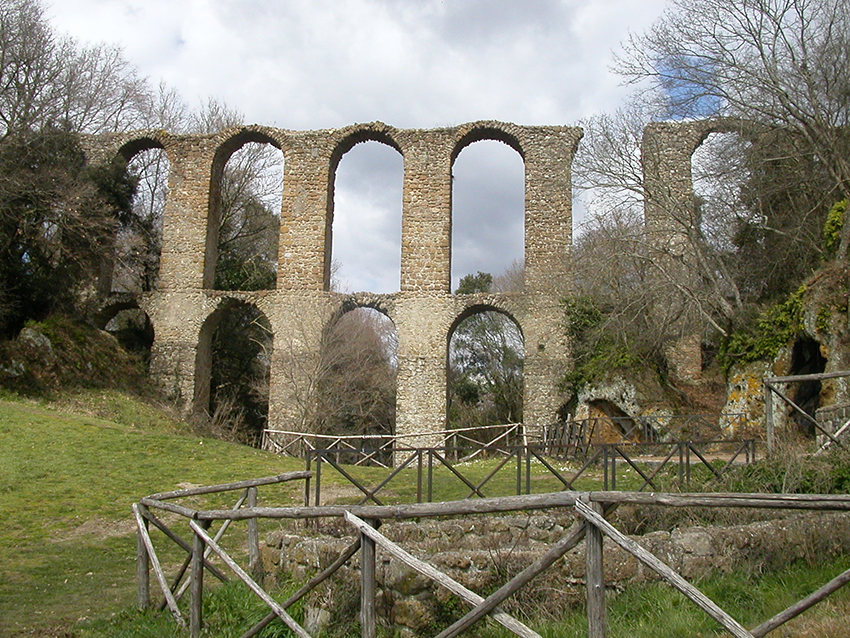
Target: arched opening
{"x": 365, "y": 218}
{"x": 488, "y": 209}
{"x": 232, "y": 372}
{"x": 484, "y": 370}
{"x": 138, "y": 240}
{"x": 356, "y": 386}
{"x": 609, "y": 424}
{"x": 133, "y": 330}
{"x": 719, "y": 172}
{"x": 244, "y": 214}
{"x": 130, "y": 326}
{"x": 806, "y": 358}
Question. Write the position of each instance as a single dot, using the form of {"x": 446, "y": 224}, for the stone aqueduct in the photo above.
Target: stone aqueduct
{"x": 184, "y": 309}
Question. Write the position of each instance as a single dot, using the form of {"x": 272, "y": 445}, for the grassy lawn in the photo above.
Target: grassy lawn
{"x": 67, "y": 543}
{"x": 67, "y": 540}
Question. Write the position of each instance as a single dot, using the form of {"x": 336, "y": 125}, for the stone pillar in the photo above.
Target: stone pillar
{"x": 304, "y": 248}
{"x": 177, "y": 318}
{"x": 546, "y": 355}
{"x": 427, "y": 214}
{"x": 177, "y": 307}
{"x": 670, "y": 215}
{"x": 548, "y": 208}
{"x": 422, "y": 325}
{"x": 548, "y": 239}
{"x": 184, "y": 223}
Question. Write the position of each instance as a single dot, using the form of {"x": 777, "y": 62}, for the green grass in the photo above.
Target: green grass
{"x": 655, "y": 610}
{"x": 67, "y": 541}
{"x": 67, "y": 482}
{"x": 228, "y": 611}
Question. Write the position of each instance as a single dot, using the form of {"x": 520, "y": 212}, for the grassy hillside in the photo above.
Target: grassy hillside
{"x": 67, "y": 544}
{"x": 69, "y": 472}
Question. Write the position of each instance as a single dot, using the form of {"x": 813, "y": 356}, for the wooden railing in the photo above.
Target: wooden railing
{"x": 591, "y": 507}
{"x": 378, "y": 449}
{"x": 196, "y": 558}
{"x": 573, "y": 439}
{"x": 578, "y": 436}
{"x": 649, "y": 461}
{"x": 772, "y": 387}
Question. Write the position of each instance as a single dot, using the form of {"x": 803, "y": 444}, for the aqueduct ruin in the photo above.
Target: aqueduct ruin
{"x": 184, "y": 307}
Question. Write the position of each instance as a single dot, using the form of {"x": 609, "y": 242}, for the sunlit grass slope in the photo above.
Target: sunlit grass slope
{"x": 67, "y": 544}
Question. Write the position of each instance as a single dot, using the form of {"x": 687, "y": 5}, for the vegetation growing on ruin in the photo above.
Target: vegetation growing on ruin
{"x": 772, "y": 330}
{"x": 597, "y": 352}
{"x": 832, "y": 228}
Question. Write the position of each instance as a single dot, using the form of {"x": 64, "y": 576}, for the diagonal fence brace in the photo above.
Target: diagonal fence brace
{"x": 437, "y": 576}
{"x": 252, "y": 585}
{"x": 695, "y": 595}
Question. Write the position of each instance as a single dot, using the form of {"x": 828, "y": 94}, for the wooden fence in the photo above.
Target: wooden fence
{"x": 573, "y": 439}
{"x": 591, "y": 507}
{"x": 378, "y": 449}
{"x": 772, "y": 388}
{"x": 647, "y": 460}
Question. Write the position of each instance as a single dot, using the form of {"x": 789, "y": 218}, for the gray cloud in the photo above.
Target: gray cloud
{"x": 306, "y": 64}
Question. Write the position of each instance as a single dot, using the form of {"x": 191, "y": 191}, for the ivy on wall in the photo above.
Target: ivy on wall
{"x": 773, "y": 329}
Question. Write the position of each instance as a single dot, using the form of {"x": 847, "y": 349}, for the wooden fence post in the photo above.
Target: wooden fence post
{"x": 596, "y": 622}
{"x": 196, "y": 576}
{"x": 368, "y": 625}
{"x": 143, "y": 569}
{"x": 768, "y": 418}
{"x": 317, "y": 499}
{"x": 255, "y": 563}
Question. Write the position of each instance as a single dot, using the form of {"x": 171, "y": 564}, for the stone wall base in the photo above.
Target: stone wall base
{"x": 482, "y": 553}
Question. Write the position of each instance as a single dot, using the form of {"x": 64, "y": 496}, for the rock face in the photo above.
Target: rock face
{"x": 820, "y": 345}
{"x": 482, "y": 553}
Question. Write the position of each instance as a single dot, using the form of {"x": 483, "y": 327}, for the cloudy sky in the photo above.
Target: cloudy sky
{"x": 307, "y": 64}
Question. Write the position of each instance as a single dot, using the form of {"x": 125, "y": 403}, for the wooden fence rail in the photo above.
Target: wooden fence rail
{"x": 592, "y": 508}
{"x": 575, "y": 438}
{"x": 647, "y": 460}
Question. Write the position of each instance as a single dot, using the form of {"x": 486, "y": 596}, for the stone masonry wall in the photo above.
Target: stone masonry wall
{"x": 183, "y": 310}
{"x": 483, "y": 552}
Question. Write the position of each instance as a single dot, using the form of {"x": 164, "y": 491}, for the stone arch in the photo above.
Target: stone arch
{"x": 205, "y": 394}
{"x": 670, "y": 211}
{"x": 351, "y": 137}
{"x": 357, "y": 382}
{"x": 505, "y": 223}
{"x": 124, "y": 319}
{"x": 231, "y": 142}
{"x": 480, "y": 131}
{"x": 511, "y": 386}
{"x": 136, "y": 145}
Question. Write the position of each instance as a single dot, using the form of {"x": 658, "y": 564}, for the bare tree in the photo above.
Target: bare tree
{"x": 684, "y": 271}
{"x": 779, "y": 68}
{"x": 339, "y": 372}
{"x": 49, "y": 80}
{"x": 357, "y": 375}
{"x": 782, "y": 63}
{"x": 29, "y": 68}
{"x": 486, "y": 357}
